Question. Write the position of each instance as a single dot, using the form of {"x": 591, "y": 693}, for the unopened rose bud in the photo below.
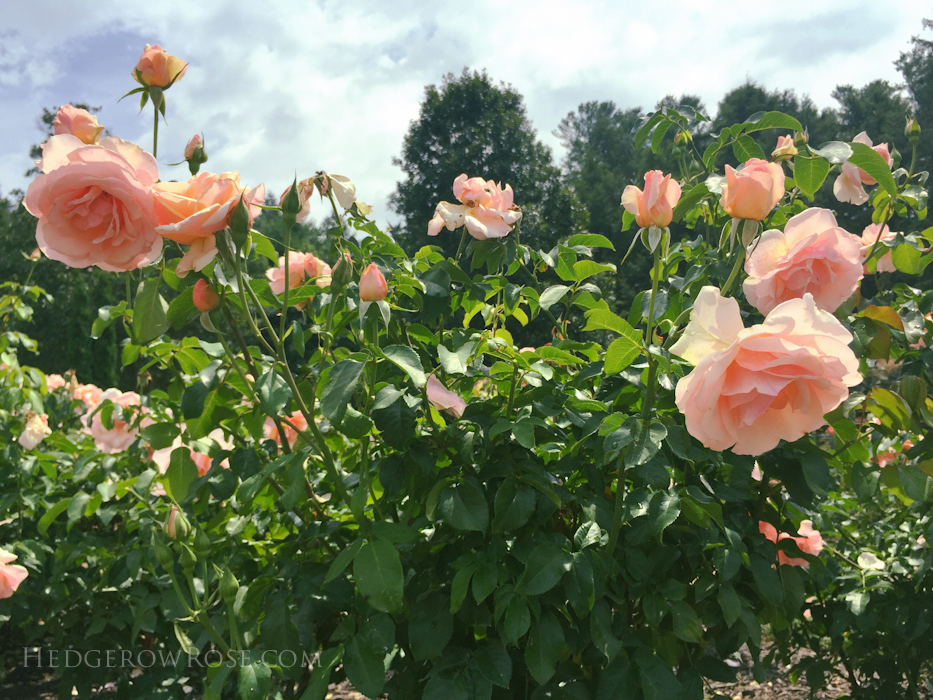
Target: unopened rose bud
{"x": 176, "y": 525}
{"x": 204, "y": 296}
{"x": 195, "y": 154}
{"x": 683, "y": 137}
{"x": 373, "y": 286}
{"x": 229, "y": 587}
{"x": 341, "y": 272}
{"x": 158, "y": 68}
{"x": 202, "y": 544}
{"x": 291, "y": 203}
{"x": 188, "y": 559}
{"x": 36, "y": 254}
{"x": 240, "y": 223}
{"x": 912, "y": 131}
{"x": 785, "y": 149}
{"x": 163, "y": 553}
{"x": 801, "y": 138}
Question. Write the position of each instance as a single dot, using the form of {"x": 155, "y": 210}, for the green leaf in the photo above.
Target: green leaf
{"x": 446, "y": 685}
{"x": 603, "y": 319}
{"x": 255, "y": 681}
{"x": 517, "y": 619}
{"x": 514, "y": 504}
{"x": 149, "y": 321}
{"x": 274, "y": 393}
{"x": 263, "y": 246}
{"x": 464, "y": 506}
{"x": 647, "y": 442}
{"x": 493, "y": 663}
{"x": 49, "y": 516}
{"x": 687, "y": 624}
{"x": 339, "y": 388}
{"x": 730, "y": 603}
{"x": 746, "y": 147}
{"x": 621, "y": 353}
{"x": 181, "y": 310}
{"x": 869, "y": 160}
{"x": 835, "y": 152}
{"x": 587, "y": 268}
{"x": 658, "y": 136}
{"x": 407, "y": 360}
{"x": 663, "y": 509}
{"x": 455, "y": 362}
{"x": 689, "y": 198}
{"x": 192, "y": 401}
{"x": 590, "y": 240}
{"x": 647, "y": 123}
{"x": 546, "y": 564}
{"x": 378, "y": 572}
{"x": 159, "y": 435}
{"x": 365, "y": 667}
{"x": 908, "y": 259}
{"x": 181, "y": 473}
{"x": 430, "y": 628}
{"x": 767, "y": 579}
{"x": 544, "y": 648}
{"x": 810, "y": 173}
{"x": 857, "y": 601}
{"x": 342, "y": 560}
{"x": 772, "y": 120}
{"x": 320, "y": 674}
{"x": 552, "y": 295}
{"x": 657, "y": 681}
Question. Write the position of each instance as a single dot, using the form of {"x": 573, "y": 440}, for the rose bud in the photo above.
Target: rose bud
{"x": 654, "y": 206}
{"x": 176, "y": 525}
{"x": 158, "y": 68}
{"x": 785, "y": 148}
{"x": 204, "y": 296}
{"x": 341, "y": 272}
{"x": 752, "y": 190}
{"x": 373, "y": 285}
{"x": 195, "y": 154}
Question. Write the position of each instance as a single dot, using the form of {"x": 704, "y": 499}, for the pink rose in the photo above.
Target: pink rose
{"x": 753, "y": 190}
{"x": 813, "y": 255}
{"x": 54, "y": 381}
{"x": 11, "y": 575}
{"x": 869, "y": 236}
{"x": 373, "y": 286}
{"x": 88, "y": 394}
{"x": 301, "y": 266}
{"x": 486, "y": 209}
{"x": 292, "y": 425}
{"x": 654, "y": 206}
{"x": 79, "y": 123}
{"x": 753, "y": 387}
{"x": 785, "y": 148}
{"x": 158, "y": 68}
{"x": 881, "y": 149}
{"x": 192, "y": 144}
{"x": 36, "y": 430}
{"x": 95, "y": 204}
{"x": 204, "y": 296}
{"x": 443, "y": 399}
{"x": 810, "y": 542}
{"x": 848, "y": 186}
{"x": 122, "y": 435}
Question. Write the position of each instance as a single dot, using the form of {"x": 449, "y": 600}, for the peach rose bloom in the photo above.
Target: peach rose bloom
{"x": 881, "y": 149}
{"x": 752, "y": 190}
{"x": 373, "y": 286}
{"x": 486, "y": 209}
{"x": 95, "y": 204}
{"x": 813, "y": 255}
{"x": 37, "y": 429}
{"x": 54, "y": 381}
{"x": 869, "y": 236}
{"x": 443, "y": 399}
{"x": 290, "y": 424}
{"x": 11, "y": 575}
{"x": 301, "y": 267}
{"x": 809, "y": 542}
{"x": 200, "y": 207}
{"x": 753, "y": 387}
{"x": 79, "y": 123}
{"x": 848, "y": 186}
{"x": 785, "y": 148}
{"x": 158, "y": 68}
{"x": 122, "y": 435}
{"x": 654, "y": 206}
{"x": 88, "y": 394}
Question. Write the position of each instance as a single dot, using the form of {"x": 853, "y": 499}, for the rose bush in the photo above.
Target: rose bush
{"x": 420, "y": 501}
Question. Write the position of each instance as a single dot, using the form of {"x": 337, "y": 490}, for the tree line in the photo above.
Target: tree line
{"x": 471, "y": 124}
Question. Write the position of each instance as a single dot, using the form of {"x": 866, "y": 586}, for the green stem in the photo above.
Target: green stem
{"x": 155, "y": 130}
{"x": 884, "y": 219}
{"x": 288, "y": 250}
{"x": 617, "y": 508}
{"x": 740, "y": 258}
{"x": 512, "y": 388}
{"x": 460, "y": 247}
{"x": 234, "y": 632}
{"x": 205, "y": 621}
{"x": 649, "y": 338}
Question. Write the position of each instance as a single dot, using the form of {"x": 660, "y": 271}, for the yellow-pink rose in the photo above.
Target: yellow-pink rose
{"x": 752, "y": 190}
{"x": 753, "y": 387}
{"x": 486, "y": 209}
{"x": 443, "y": 399}
{"x": 654, "y": 206}
{"x": 785, "y": 148}
{"x": 36, "y": 430}
{"x": 813, "y": 255}
{"x": 158, "y": 68}
{"x": 122, "y": 434}
{"x": 373, "y": 286}
{"x": 810, "y": 541}
{"x": 95, "y": 204}
{"x": 11, "y": 575}
{"x": 301, "y": 267}
{"x": 79, "y": 123}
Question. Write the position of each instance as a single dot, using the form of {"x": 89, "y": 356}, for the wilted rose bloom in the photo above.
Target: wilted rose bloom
{"x": 36, "y": 430}
{"x": 848, "y": 186}
{"x": 869, "y": 236}
{"x": 813, "y": 255}
{"x": 809, "y": 542}
{"x": 881, "y": 149}
{"x": 11, "y": 575}
{"x": 343, "y": 188}
{"x": 54, "y": 381}
{"x": 291, "y": 425}
{"x": 486, "y": 209}
{"x": 753, "y": 387}
{"x": 95, "y": 204}
{"x": 785, "y": 148}
{"x": 443, "y": 399}
{"x": 752, "y": 190}
{"x": 79, "y": 123}
{"x": 121, "y": 435}
{"x": 204, "y": 296}
{"x": 373, "y": 286}
{"x": 654, "y": 206}
{"x": 301, "y": 266}
{"x": 158, "y": 68}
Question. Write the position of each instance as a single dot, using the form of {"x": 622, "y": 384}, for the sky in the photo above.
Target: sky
{"x": 285, "y": 88}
